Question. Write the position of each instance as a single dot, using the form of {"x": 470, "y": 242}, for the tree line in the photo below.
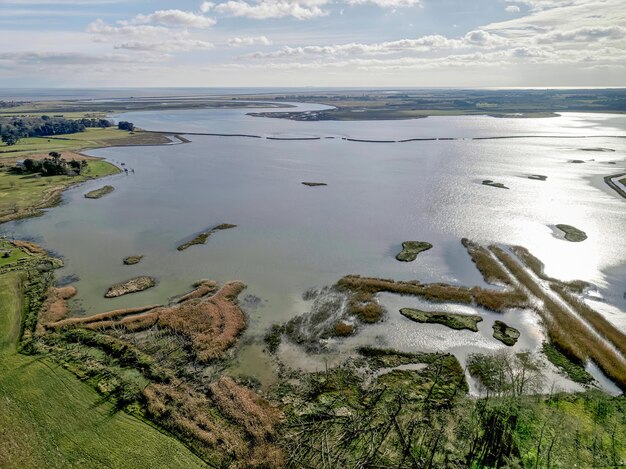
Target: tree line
{"x": 15, "y": 128}
{"x": 52, "y": 166}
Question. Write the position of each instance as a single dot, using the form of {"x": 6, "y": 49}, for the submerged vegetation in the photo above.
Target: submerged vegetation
{"x": 379, "y": 408}
{"x": 572, "y": 326}
{"x": 451, "y": 320}
{"x": 572, "y": 234}
{"x": 572, "y": 367}
{"x": 132, "y": 260}
{"x": 506, "y": 334}
{"x": 410, "y": 250}
{"x": 98, "y": 193}
{"x": 133, "y": 285}
{"x": 202, "y": 238}
{"x": 489, "y": 182}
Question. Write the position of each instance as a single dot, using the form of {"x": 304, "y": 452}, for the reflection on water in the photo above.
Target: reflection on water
{"x": 291, "y": 237}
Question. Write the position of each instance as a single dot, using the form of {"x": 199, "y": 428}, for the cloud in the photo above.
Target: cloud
{"x": 100, "y": 27}
{"x": 264, "y": 9}
{"x": 205, "y": 7}
{"x": 249, "y": 41}
{"x": 173, "y": 18}
{"x": 476, "y": 38}
{"x": 585, "y": 34}
{"x": 512, "y": 9}
{"x": 387, "y": 3}
{"x": 169, "y": 46}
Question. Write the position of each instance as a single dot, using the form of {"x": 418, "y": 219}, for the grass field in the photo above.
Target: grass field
{"x": 90, "y": 138}
{"x": 23, "y": 195}
{"x": 16, "y": 254}
{"x": 48, "y": 418}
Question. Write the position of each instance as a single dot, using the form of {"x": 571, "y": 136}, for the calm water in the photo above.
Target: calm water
{"x": 291, "y": 237}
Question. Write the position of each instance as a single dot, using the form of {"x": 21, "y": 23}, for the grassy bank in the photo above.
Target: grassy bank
{"x": 25, "y": 195}
{"x": 48, "y": 418}
{"x": 90, "y": 138}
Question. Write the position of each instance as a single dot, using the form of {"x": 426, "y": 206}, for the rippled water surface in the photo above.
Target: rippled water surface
{"x": 291, "y": 237}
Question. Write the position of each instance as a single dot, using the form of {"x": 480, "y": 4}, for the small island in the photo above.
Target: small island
{"x": 506, "y": 334}
{"x": 572, "y": 234}
{"x": 451, "y": 320}
{"x": 132, "y": 260}
{"x": 314, "y": 184}
{"x": 98, "y": 193}
{"x": 537, "y": 177}
{"x": 201, "y": 238}
{"x": 133, "y": 285}
{"x": 489, "y": 182}
{"x": 410, "y": 250}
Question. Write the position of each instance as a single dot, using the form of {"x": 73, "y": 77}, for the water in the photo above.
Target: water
{"x": 291, "y": 237}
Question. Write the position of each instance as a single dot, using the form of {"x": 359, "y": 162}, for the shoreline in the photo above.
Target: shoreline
{"x": 53, "y": 197}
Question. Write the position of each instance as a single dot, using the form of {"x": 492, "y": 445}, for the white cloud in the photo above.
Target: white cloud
{"x": 102, "y": 28}
{"x": 173, "y": 18}
{"x": 263, "y": 9}
{"x": 249, "y": 41}
{"x": 585, "y": 34}
{"x": 205, "y": 7}
{"x": 169, "y": 46}
{"x": 387, "y": 3}
{"x": 476, "y": 38}
{"x": 512, "y": 9}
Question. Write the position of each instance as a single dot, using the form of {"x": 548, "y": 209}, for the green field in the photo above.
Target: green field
{"x": 90, "y": 138}
{"x": 21, "y": 195}
{"x": 48, "y": 418}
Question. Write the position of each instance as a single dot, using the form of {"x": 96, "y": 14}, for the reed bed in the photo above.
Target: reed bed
{"x": 212, "y": 323}
{"x": 567, "y": 331}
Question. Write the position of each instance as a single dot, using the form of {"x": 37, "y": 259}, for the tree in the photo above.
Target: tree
{"x": 124, "y": 125}
{"x": 10, "y": 139}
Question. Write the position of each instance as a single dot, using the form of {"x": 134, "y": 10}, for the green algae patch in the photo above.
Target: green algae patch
{"x": 201, "y": 238}
{"x": 99, "y": 193}
{"x": 572, "y": 234}
{"x": 133, "y": 285}
{"x": 132, "y": 260}
{"x": 451, "y": 320}
{"x": 506, "y": 334}
{"x": 410, "y": 250}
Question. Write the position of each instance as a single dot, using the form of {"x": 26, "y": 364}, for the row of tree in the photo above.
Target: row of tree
{"x": 52, "y": 166}
{"x": 13, "y": 129}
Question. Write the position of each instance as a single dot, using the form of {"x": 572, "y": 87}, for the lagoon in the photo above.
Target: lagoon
{"x": 291, "y": 238}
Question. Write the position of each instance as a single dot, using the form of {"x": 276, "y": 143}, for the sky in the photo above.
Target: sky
{"x": 317, "y": 43}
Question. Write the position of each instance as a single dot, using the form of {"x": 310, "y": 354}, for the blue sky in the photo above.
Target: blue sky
{"x": 386, "y": 43}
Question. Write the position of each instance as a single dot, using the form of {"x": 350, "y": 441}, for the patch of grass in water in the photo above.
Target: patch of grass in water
{"x": 489, "y": 182}
{"x": 573, "y": 369}
{"x": 410, "y": 250}
{"x": 572, "y": 233}
{"x": 99, "y": 193}
{"x": 201, "y": 238}
{"x": 130, "y": 286}
{"x": 132, "y": 260}
{"x": 506, "y": 334}
{"x": 451, "y": 320}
